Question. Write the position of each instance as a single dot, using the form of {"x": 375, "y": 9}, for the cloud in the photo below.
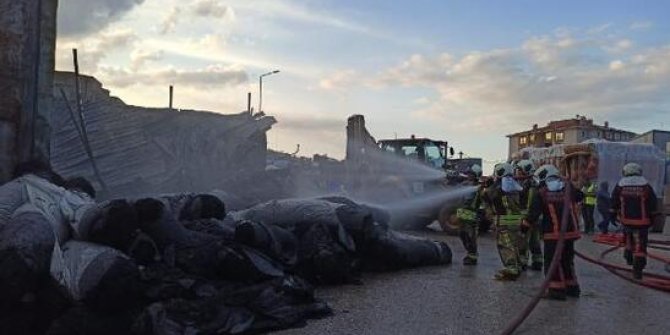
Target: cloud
{"x": 93, "y": 49}
{"x": 339, "y": 80}
{"x": 171, "y": 20}
{"x": 619, "y": 46}
{"x": 542, "y": 78}
{"x": 215, "y": 9}
{"x": 212, "y": 8}
{"x": 641, "y": 25}
{"x": 83, "y": 17}
{"x": 210, "y": 76}
{"x": 139, "y": 57}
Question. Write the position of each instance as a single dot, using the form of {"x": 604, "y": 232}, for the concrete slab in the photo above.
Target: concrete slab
{"x": 466, "y": 300}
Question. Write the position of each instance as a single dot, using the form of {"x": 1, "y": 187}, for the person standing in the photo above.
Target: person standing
{"x": 469, "y": 217}
{"x": 546, "y": 213}
{"x": 603, "y": 204}
{"x": 530, "y": 239}
{"x": 503, "y": 197}
{"x": 635, "y": 204}
{"x": 588, "y": 207}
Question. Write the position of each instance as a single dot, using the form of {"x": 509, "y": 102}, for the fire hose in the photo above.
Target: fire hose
{"x": 555, "y": 262}
{"x": 651, "y": 280}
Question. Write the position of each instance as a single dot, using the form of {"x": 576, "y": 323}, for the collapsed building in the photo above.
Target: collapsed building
{"x": 153, "y": 150}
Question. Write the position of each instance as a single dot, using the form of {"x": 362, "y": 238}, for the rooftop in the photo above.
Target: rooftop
{"x": 579, "y": 121}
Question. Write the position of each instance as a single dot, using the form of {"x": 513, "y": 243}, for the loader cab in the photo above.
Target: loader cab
{"x": 426, "y": 151}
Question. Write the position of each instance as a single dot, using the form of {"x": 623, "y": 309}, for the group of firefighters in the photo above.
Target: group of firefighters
{"x": 528, "y": 205}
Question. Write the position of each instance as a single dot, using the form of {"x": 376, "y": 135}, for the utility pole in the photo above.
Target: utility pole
{"x": 171, "y": 96}
{"x": 260, "y": 88}
{"x": 82, "y": 123}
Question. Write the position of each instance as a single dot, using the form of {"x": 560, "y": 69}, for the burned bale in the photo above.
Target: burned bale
{"x": 378, "y": 214}
{"x": 112, "y": 223}
{"x": 200, "y": 253}
{"x": 203, "y": 206}
{"x": 287, "y": 213}
{"x": 26, "y": 247}
{"x": 274, "y": 241}
{"x": 224, "y": 229}
{"x": 390, "y": 250}
{"x": 321, "y": 259}
{"x": 80, "y": 320}
{"x": 194, "y": 206}
{"x": 35, "y": 315}
{"x": 101, "y": 277}
{"x": 278, "y": 304}
{"x": 180, "y": 316}
{"x": 271, "y": 305}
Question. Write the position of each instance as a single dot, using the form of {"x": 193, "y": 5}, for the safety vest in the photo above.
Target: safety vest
{"x": 629, "y": 195}
{"x": 553, "y": 202}
{"x": 590, "y": 195}
{"x": 466, "y": 214}
{"x": 510, "y": 218}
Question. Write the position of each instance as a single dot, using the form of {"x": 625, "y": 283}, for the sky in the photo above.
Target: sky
{"x": 469, "y": 72}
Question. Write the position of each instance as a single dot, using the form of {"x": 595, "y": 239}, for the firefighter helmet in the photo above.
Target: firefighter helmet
{"x": 546, "y": 171}
{"x": 476, "y": 169}
{"x": 503, "y": 170}
{"x": 526, "y": 166}
{"x": 632, "y": 169}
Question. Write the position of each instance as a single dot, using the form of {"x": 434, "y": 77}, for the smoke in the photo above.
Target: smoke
{"x": 83, "y": 17}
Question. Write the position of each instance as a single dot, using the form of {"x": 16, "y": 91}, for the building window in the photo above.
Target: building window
{"x": 548, "y": 136}
{"x": 523, "y": 140}
{"x": 531, "y": 138}
{"x": 617, "y": 136}
{"x": 583, "y": 134}
{"x": 560, "y": 136}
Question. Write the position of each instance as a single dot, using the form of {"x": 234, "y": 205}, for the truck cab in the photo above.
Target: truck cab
{"x": 426, "y": 151}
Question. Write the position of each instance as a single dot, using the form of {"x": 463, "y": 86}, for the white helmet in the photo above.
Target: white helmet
{"x": 546, "y": 171}
{"x": 503, "y": 170}
{"x": 526, "y": 166}
{"x": 476, "y": 169}
{"x": 632, "y": 169}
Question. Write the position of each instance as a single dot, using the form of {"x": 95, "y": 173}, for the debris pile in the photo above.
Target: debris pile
{"x": 181, "y": 264}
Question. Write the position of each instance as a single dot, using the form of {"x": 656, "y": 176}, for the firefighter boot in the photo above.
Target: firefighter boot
{"x": 507, "y": 274}
{"x": 536, "y": 266}
{"x": 470, "y": 260}
{"x": 573, "y": 291}
{"x": 555, "y": 294}
{"x": 628, "y": 255}
{"x": 638, "y": 267}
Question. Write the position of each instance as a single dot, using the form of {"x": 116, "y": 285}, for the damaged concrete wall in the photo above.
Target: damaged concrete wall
{"x": 148, "y": 150}
{"x": 27, "y": 51}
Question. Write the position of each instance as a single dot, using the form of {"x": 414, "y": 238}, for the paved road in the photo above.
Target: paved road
{"x": 465, "y": 300}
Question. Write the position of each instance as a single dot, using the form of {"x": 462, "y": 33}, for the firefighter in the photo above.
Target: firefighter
{"x": 531, "y": 238}
{"x": 634, "y": 203}
{"x": 469, "y": 216}
{"x": 546, "y": 212}
{"x": 590, "y": 191}
{"x": 503, "y": 198}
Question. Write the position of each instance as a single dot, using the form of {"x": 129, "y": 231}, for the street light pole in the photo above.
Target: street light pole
{"x": 260, "y": 88}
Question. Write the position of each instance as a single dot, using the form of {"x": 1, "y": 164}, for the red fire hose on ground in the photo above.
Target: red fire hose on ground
{"x": 650, "y": 280}
{"x": 555, "y": 263}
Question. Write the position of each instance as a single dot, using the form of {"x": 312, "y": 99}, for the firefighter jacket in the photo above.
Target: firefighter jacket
{"x": 590, "y": 191}
{"x": 634, "y": 202}
{"x": 546, "y": 211}
{"x": 471, "y": 206}
{"x": 506, "y": 206}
